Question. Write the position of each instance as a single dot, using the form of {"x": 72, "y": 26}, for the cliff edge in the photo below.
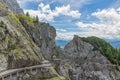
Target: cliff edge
{"x": 13, "y": 6}
{"x": 83, "y": 62}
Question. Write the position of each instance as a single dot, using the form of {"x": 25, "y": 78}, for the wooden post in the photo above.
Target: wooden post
{"x": 3, "y": 78}
{"x": 10, "y": 76}
{"x": 17, "y": 74}
{"x": 25, "y": 71}
{"x": 36, "y": 70}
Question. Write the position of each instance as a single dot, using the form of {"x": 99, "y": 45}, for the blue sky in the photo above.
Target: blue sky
{"x": 99, "y": 18}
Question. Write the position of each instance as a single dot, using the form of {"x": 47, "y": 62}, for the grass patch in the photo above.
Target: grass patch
{"x": 24, "y": 17}
{"x": 54, "y": 78}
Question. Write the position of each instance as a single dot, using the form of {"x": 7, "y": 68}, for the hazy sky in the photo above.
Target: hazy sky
{"x": 81, "y": 17}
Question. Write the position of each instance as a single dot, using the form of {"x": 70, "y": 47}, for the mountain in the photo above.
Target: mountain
{"x": 83, "y": 61}
{"x": 13, "y": 6}
{"x": 16, "y": 46}
{"x": 62, "y": 43}
{"x": 26, "y": 43}
{"x": 114, "y": 42}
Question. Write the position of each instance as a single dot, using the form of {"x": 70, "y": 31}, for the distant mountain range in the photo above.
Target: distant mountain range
{"x": 62, "y": 43}
{"x": 113, "y": 42}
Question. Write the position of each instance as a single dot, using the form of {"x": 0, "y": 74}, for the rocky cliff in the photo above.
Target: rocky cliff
{"x": 85, "y": 63}
{"x": 13, "y": 6}
{"x": 43, "y": 35}
{"x": 25, "y": 42}
{"x": 16, "y": 47}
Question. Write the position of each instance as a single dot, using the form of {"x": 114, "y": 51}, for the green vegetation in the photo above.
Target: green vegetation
{"x": 5, "y": 38}
{"x": 28, "y": 18}
{"x": 14, "y": 16}
{"x": 2, "y": 6}
{"x": 27, "y": 14}
{"x": 36, "y": 19}
{"x": 58, "y": 77}
{"x": 3, "y": 10}
{"x": 105, "y": 48}
{"x": 24, "y": 17}
{"x": 1, "y": 24}
{"x": 11, "y": 46}
{"x": 54, "y": 78}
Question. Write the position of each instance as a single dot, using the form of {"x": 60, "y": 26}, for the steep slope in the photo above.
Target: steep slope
{"x": 105, "y": 48}
{"x": 43, "y": 35}
{"x": 16, "y": 47}
{"x": 25, "y": 42}
{"x": 83, "y": 62}
{"x": 20, "y": 42}
{"x": 13, "y": 6}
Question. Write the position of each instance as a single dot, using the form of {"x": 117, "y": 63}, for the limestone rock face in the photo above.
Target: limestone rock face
{"x": 3, "y": 62}
{"x": 84, "y": 63}
{"x": 46, "y": 40}
{"x": 13, "y": 6}
{"x": 24, "y": 42}
{"x": 43, "y": 35}
{"x": 16, "y": 47}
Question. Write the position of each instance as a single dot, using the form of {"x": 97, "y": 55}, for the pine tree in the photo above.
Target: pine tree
{"x": 27, "y": 14}
{"x": 37, "y": 19}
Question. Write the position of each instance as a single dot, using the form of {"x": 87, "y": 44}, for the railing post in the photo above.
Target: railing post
{"x": 25, "y": 71}
{"x": 17, "y": 73}
{"x": 31, "y": 70}
{"x": 3, "y": 78}
{"x": 36, "y": 70}
{"x": 10, "y": 76}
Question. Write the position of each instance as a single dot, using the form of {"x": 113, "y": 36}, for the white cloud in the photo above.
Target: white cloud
{"x": 111, "y": 15}
{"x": 46, "y": 14}
{"x": 108, "y": 25}
{"x": 75, "y": 4}
{"x": 79, "y": 3}
{"x": 61, "y": 30}
{"x": 69, "y": 35}
{"x": 65, "y": 36}
{"x": 24, "y": 1}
